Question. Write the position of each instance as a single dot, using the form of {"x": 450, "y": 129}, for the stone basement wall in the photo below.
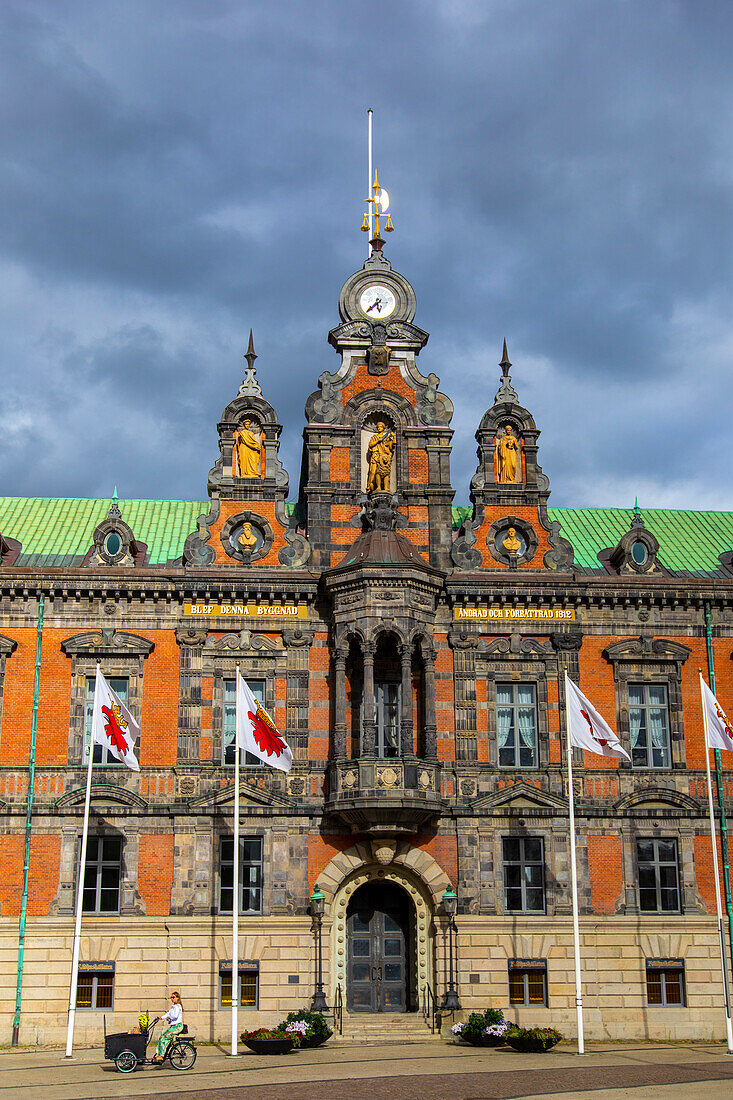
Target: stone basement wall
{"x": 151, "y": 960}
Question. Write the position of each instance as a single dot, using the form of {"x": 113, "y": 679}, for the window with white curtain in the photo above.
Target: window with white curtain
{"x": 229, "y": 719}
{"x": 516, "y": 725}
{"x": 649, "y": 725}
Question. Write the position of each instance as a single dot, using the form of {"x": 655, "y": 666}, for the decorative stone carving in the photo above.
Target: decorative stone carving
{"x": 378, "y": 361}
{"x": 387, "y": 777}
{"x": 384, "y": 851}
{"x": 190, "y": 637}
{"x": 238, "y": 533}
{"x": 463, "y": 553}
{"x": 107, "y": 642}
{"x": 508, "y": 532}
{"x": 294, "y": 636}
{"x": 297, "y": 551}
{"x": 114, "y": 542}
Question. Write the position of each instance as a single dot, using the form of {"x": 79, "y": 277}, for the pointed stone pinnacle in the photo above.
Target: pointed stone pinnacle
{"x": 638, "y": 520}
{"x": 114, "y": 509}
{"x": 506, "y": 392}
{"x": 250, "y": 355}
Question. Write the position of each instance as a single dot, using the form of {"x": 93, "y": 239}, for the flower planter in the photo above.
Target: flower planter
{"x": 532, "y": 1044}
{"x": 315, "y": 1041}
{"x": 269, "y": 1046}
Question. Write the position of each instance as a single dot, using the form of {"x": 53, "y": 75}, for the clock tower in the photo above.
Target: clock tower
{"x": 376, "y": 424}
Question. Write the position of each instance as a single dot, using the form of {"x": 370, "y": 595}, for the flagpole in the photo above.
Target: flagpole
{"x": 235, "y": 875}
{"x": 716, "y": 875}
{"x": 80, "y": 883}
{"x": 574, "y": 879}
{"x": 370, "y": 113}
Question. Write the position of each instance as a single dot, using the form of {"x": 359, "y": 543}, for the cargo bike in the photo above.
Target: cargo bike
{"x": 128, "y": 1050}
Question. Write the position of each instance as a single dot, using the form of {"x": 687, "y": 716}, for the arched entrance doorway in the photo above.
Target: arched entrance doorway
{"x": 378, "y": 949}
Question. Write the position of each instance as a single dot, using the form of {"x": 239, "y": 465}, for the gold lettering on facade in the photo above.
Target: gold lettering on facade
{"x": 555, "y": 614}
{"x": 248, "y": 610}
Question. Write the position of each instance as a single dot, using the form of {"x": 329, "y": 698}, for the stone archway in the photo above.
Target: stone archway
{"x": 386, "y": 860}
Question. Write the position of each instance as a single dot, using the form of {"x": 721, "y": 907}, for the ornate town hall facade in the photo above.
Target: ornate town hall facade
{"x": 412, "y": 652}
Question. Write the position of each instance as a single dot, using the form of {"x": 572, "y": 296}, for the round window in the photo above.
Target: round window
{"x": 112, "y": 544}
{"x": 639, "y": 553}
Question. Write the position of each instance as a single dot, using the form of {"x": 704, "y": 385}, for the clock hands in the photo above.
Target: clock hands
{"x": 376, "y": 304}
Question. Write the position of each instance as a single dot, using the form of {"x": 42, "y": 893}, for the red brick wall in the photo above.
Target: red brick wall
{"x": 605, "y": 867}
{"x": 704, "y": 870}
{"x": 43, "y": 874}
{"x": 159, "y": 718}
{"x": 155, "y": 872}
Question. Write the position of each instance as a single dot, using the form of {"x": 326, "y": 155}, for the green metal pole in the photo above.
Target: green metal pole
{"x": 28, "y": 816}
{"x": 719, "y": 785}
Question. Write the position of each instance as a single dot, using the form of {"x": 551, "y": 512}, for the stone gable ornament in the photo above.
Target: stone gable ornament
{"x": 378, "y": 362}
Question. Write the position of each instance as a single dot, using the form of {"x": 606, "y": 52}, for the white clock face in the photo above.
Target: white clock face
{"x": 377, "y": 302}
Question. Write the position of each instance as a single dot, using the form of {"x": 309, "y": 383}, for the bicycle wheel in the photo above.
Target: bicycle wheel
{"x": 126, "y": 1061}
{"x": 182, "y": 1055}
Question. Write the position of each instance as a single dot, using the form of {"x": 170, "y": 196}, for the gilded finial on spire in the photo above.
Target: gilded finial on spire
{"x": 377, "y": 208}
{"x": 506, "y": 391}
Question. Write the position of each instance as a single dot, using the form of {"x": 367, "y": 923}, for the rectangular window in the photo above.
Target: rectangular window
{"x": 229, "y": 720}
{"x": 250, "y": 875}
{"x": 120, "y": 686}
{"x": 102, "y": 873}
{"x": 95, "y": 985}
{"x": 665, "y": 981}
{"x": 524, "y": 874}
{"x": 528, "y": 981}
{"x": 516, "y": 725}
{"x": 387, "y": 695}
{"x": 659, "y": 890}
{"x": 649, "y": 725}
{"x": 249, "y": 983}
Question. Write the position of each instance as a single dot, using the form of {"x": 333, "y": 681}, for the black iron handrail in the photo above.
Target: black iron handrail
{"x": 428, "y": 1006}
{"x": 338, "y": 1011}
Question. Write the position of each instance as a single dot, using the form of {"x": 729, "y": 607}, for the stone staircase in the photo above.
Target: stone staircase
{"x": 383, "y": 1027}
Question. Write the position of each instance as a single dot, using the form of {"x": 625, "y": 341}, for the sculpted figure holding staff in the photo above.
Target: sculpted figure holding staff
{"x": 247, "y": 448}
{"x": 507, "y": 448}
{"x": 379, "y": 455}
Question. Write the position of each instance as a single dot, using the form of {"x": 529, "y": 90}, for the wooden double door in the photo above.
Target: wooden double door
{"x": 377, "y": 933}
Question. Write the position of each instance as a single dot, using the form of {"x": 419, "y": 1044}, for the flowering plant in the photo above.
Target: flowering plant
{"x": 316, "y": 1030}
{"x": 536, "y": 1039}
{"x": 457, "y": 1029}
{"x": 496, "y": 1031}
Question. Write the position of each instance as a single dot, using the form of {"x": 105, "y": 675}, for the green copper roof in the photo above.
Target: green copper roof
{"x": 59, "y": 531}
{"x": 689, "y": 542}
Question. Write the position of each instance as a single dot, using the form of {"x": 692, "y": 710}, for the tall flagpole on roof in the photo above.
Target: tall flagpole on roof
{"x": 716, "y": 874}
{"x": 80, "y": 882}
{"x": 370, "y": 176}
{"x": 574, "y": 880}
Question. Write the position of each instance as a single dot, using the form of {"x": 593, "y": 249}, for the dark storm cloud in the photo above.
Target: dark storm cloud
{"x": 176, "y": 172}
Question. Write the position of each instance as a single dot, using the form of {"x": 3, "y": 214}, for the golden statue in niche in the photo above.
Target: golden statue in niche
{"x": 246, "y": 453}
{"x": 506, "y": 449}
{"x": 379, "y": 456}
{"x": 511, "y": 543}
{"x": 248, "y": 539}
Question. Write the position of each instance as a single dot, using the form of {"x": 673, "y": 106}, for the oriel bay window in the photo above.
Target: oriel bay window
{"x": 250, "y": 874}
{"x": 516, "y": 725}
{"x": 649, "y": 725}
{"x": 229, "y": 719}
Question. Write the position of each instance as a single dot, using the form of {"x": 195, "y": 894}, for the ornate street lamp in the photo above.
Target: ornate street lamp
{"x": 450, "y": 1001}
{"x": 318, "y": 904}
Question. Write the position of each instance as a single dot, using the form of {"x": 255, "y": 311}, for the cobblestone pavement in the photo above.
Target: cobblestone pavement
{"x": 415, "y": 1071}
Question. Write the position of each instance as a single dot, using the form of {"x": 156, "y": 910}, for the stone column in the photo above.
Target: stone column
{"x": 431, "y": 731}
{"x": 369, "y": 726}
{"x": 339, "y": 722}
{"x": 407, "y": 747}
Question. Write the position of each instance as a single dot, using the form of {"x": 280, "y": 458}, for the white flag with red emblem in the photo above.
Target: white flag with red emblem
{"x": 256, "y": 731}
{"x": 112, "y": 724}
{"x": 720, "y": 729}
{"x": 587, "y": 729}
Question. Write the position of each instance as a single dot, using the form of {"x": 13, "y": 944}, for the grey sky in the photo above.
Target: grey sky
{"x": 176, "y": 171}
